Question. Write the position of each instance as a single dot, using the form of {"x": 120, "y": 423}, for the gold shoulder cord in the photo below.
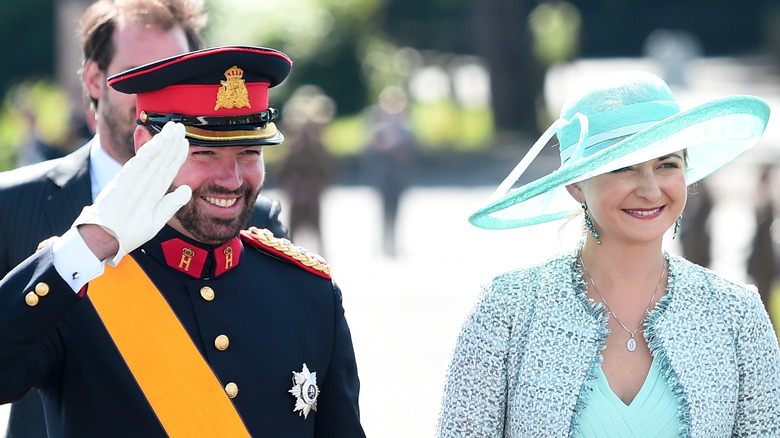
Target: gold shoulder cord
{"x": 285, "y": 247}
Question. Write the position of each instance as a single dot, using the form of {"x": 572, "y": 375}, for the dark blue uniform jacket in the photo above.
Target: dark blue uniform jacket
{"x": 276, "y": 316}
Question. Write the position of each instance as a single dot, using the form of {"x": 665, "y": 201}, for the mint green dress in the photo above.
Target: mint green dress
{"x": 652, "y": 413}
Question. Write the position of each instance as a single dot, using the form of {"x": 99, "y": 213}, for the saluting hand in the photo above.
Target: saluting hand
{"x": 135, "y": 205}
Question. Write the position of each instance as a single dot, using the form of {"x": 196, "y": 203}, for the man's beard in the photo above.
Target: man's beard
{"x": 216, "y": 230}
{"x": 121, "y": 127}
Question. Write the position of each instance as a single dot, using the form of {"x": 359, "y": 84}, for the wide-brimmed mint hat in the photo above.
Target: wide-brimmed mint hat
{"x": 631, "y": 119}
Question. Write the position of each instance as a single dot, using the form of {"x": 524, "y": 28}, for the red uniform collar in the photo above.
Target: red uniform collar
{"x": 191, "y": 259}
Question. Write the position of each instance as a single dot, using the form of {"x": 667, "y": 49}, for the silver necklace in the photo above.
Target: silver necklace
{"x": 631, "y": 344}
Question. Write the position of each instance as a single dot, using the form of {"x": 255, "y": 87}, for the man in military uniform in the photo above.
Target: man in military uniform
{"x": 195, "y": 327}
{"x": 40, "y": 201}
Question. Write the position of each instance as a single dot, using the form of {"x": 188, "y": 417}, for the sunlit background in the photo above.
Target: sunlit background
{"x": 472, "y": 84}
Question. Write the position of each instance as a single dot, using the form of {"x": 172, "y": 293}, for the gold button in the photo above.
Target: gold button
{"x": 207, "y": 293}
{"x": 221, "y": 342}
{"x": 31, "y": 299}
{"x": 231, "y": 389}
{"x": 41, "y": 289}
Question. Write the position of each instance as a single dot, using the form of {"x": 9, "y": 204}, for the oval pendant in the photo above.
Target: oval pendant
{"x": 631, "y": 344}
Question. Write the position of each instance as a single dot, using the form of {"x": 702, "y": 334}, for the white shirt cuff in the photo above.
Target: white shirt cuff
{"x": 73, "y": 260}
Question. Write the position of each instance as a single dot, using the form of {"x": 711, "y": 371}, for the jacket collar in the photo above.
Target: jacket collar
{"x": 71, "y": 166}
{"x": 193, "y": 258}
{"x": 69, "y": 190}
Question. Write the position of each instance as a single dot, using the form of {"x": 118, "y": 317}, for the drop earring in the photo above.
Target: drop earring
{"x": 677, "y": 226}
{"x": 589, "y": 224}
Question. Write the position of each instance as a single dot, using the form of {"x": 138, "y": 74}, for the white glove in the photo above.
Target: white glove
{"x": 134, "y": 206}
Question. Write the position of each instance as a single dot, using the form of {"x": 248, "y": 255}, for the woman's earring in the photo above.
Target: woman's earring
{"x": 589, "y": 224}
{"x": 677, "y": 226}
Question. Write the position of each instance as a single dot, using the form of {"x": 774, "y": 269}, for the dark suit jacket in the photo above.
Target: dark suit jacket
{"x": 42, "y": 200}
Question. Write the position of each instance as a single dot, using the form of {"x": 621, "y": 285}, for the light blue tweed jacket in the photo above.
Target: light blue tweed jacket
{"x": 523, "y": 357}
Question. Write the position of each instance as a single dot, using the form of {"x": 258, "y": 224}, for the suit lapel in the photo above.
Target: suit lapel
{"x": 70, "y": 190}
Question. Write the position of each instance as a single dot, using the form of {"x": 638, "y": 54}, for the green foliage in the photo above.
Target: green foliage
{"x": 343, "y": 137}
{"x": 384, "y": 64}
{"x": 444, "y": 126}
{"x": 271, "y": 24}
{"x": 346, "y": 136}
{"x": 337, "y": 45}
{"x": 556, "y": 28}
{"x": 321, "y": 36}
{"x": 33, "y": 107}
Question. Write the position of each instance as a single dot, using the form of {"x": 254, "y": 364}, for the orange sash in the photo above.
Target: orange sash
{"x": 180, "y": 386}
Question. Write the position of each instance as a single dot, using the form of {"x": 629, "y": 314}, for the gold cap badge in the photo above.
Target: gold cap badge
{"x": 233, "y": 93}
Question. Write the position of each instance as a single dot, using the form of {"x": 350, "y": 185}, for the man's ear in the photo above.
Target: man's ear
{"x": 575, "y": 191}
{"x": 94, "y": 79}
{"x": 140, "y": 136}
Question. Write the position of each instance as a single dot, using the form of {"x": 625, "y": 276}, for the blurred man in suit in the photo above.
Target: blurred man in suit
{"x": 41, "y": 200}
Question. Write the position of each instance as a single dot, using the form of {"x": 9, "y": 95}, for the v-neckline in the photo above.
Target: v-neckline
{"x": 651, "y": 377}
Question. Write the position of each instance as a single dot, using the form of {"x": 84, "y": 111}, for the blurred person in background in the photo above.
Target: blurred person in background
{"x": 307, "y": 168}
{"x": 762, "y": 263}
{"x": 388, "y": 160}
{"x": 695, "y": 234}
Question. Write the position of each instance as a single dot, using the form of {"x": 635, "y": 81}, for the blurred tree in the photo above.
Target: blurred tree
{"x": 495, "y": 30}
{"x": 556, "y": 31}
{"x": 725, "y": 27}
{"x": 503, "y": 38}
{"x": 323, "y": 37}
{"x": 353, "y": 49}
{"x": 27, "y": 33}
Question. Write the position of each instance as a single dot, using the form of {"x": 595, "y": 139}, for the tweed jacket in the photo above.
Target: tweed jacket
{"x": 524, "y": 356}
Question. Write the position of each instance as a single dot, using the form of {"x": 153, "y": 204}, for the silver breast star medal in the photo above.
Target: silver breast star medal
{"x": 305, "y": 391}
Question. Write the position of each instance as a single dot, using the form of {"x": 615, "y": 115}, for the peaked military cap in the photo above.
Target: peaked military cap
{"x": 219, "y": 94}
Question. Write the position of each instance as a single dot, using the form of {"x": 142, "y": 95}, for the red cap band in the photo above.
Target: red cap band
{"x": 200, "y": 100}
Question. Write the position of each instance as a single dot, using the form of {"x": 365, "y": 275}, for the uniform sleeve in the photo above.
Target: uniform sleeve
{"x": 475, "y": 392}
{"x": 338, "y": 413}
{"x": 758, "y": 411}
{"x": 33, "y": 301}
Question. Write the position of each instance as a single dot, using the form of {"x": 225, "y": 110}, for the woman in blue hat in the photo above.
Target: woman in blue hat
{"x": 618, "y": 338}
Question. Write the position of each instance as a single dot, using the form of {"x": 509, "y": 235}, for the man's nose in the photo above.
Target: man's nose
{"x": 229, "y": 175}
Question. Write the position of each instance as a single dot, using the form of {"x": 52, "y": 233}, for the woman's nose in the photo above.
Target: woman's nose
{"x": 648, "y": 186}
